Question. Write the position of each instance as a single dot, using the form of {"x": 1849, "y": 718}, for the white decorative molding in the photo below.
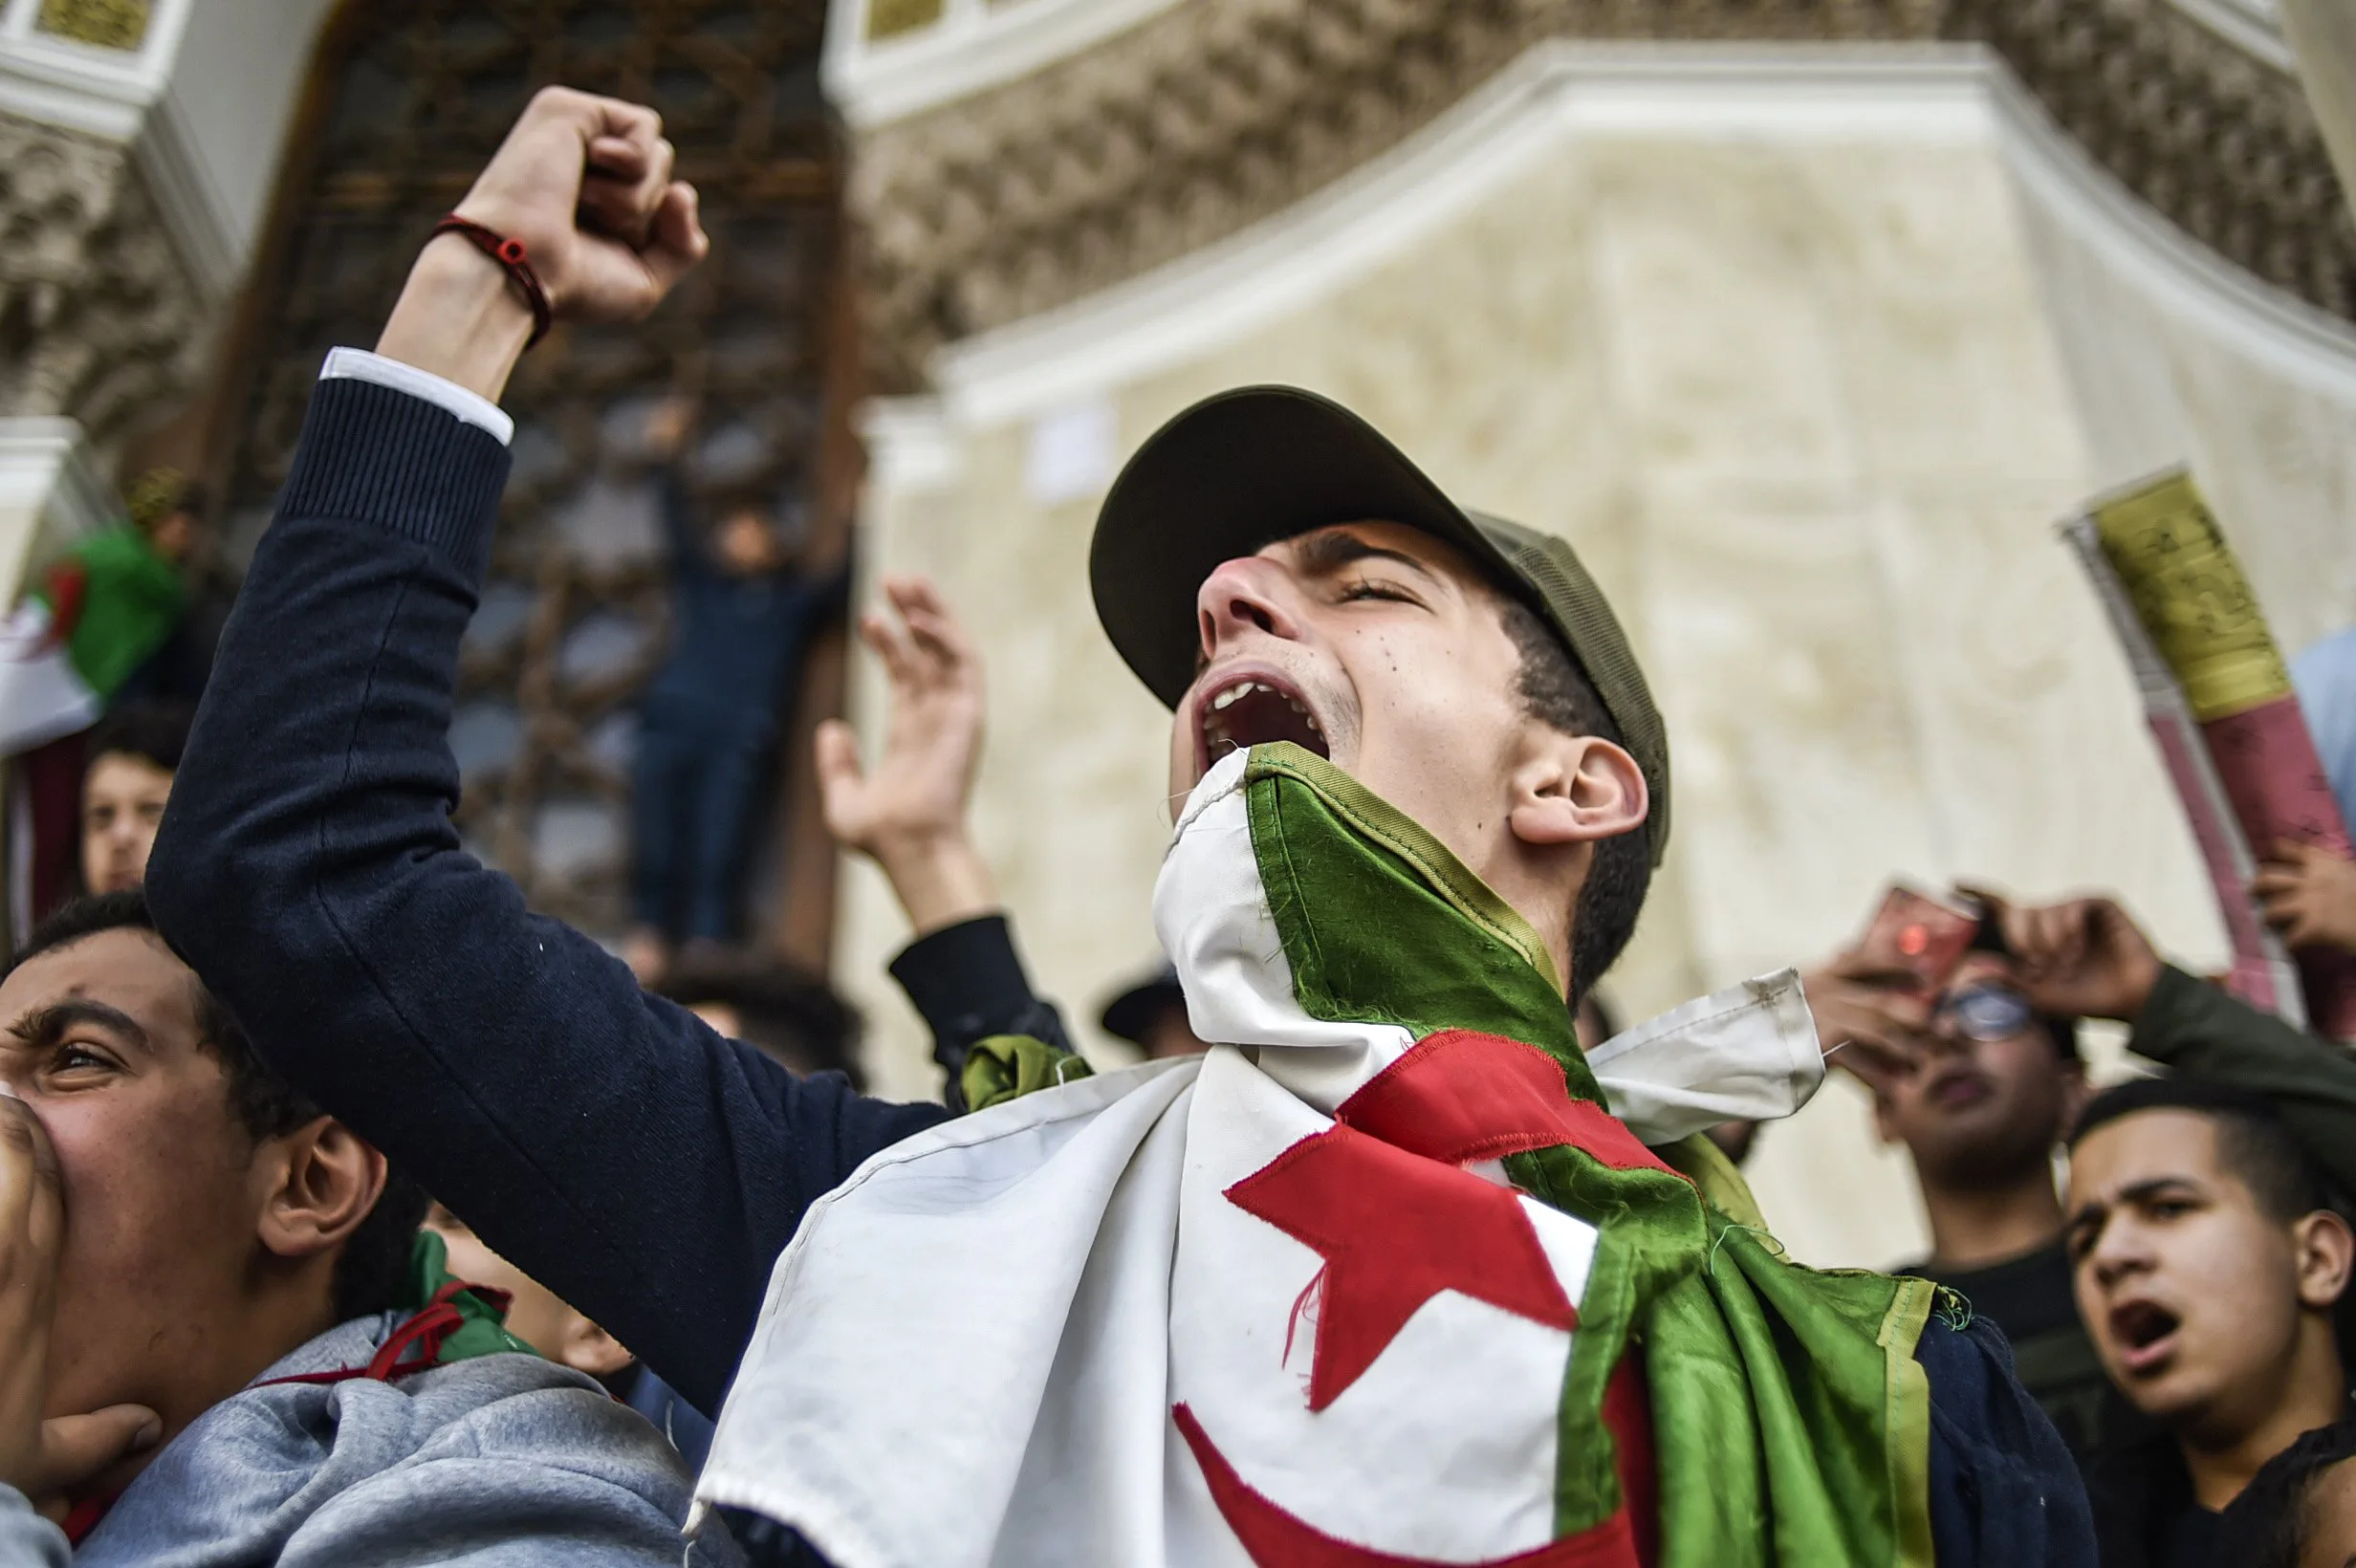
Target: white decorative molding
{"x": 250, "y": 57}
{"x": 1560, "y": 92}
{"x": 45, "y": 463}
{"x": 99, "y": 92}
{"x": 2255, "y": 27}
{"x": 1556, "y": 93}
{"x": 191, "y": 201}
{"x": 912, "y": 448}
{"x": 973, "y": 46}
{"x": 2053, "y": 172}
{"x": 82, "y": 87}
{"x": 50, "y": 495}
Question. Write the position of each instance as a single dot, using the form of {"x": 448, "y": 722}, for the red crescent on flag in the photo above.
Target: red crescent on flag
{"x": 1275, "y": 1539}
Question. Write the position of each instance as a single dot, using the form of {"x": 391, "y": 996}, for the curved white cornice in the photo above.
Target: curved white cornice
{"x": 2055, "y": 174}
{"x": 99, "y": 92}
{"x": 975, "y": 45}
{"x": 2255, "y": 27}
{"x": 204, "y": 100}
{"x": 1556, "y": 93}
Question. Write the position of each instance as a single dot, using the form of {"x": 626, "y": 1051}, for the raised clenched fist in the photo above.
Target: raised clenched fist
{"x": 584, "y": 183}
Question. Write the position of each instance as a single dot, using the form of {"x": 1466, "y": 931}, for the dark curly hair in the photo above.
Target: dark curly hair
{"x": 153, "y": 728}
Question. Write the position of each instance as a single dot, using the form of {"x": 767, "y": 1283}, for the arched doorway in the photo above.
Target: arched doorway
{"x": 406, "y": 101}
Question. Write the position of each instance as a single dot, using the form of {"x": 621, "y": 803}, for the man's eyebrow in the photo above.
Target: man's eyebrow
{"x": 44, "y": 1025}
{"x": 1330, "y": 550}
{"x": 2151, "y": 1187}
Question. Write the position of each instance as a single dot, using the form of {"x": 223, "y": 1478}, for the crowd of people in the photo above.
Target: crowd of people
{"x": 352, "y": 1213}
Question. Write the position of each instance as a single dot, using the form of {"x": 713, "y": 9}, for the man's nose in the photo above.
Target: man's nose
{"x": 2118, "y": 1254}
{"x": 1246, "y": 594}
{"x": 1944, "y": 1038}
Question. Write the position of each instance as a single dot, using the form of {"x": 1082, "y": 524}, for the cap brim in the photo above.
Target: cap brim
{"x": 1227, "y": 477}
{"x": 1129, "y": 1014}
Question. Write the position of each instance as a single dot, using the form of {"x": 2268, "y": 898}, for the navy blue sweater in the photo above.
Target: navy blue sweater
{"x": 609, "y": 1143}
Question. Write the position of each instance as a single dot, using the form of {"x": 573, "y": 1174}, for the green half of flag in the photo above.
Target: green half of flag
{"x": 1791, "y": 1421}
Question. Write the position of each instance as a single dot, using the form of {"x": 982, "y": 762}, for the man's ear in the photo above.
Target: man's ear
{"x": 1574, "y": 789}
{"x": 323, "y": 1183}
{"x": 2325, "y": 1252}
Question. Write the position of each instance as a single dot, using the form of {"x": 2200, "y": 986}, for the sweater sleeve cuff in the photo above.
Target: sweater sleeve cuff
{"x": 965, "y": 979}
{"x": 2157, "y": 1027}
{"x": 371, "y": 452}
{"x": 473, "y": 408}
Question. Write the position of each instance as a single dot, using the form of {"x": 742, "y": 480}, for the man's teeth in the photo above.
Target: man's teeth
{"x": 1241, "y": 690}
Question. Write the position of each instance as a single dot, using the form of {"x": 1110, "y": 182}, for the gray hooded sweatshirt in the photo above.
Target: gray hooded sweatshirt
{"x": 503, "y": 1461}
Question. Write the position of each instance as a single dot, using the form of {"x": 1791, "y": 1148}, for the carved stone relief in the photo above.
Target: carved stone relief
{"x": 1192, "y": 126}
{"x": 2222, "y": 144}
{"x": 100, "y": 318}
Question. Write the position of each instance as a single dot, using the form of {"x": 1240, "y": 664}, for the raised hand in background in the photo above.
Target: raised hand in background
{"x": 2309, "y": 894}
{"x": 1866, "y": 1022}
{"x": 2081, "y": 958}
{"x": 908, "y": 812}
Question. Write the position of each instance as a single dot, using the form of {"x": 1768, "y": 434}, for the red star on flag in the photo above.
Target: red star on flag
{"x": 1394, "y": 1218}
{"x": 1395, "y": 1229}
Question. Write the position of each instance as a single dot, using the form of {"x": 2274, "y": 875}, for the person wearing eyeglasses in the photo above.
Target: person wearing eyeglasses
{"x": 1981, "y": 1085}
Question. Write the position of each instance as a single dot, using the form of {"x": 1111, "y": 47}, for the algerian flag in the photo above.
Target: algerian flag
{"x": 1357, "y": 1287}
{"x": 73, "y": 640}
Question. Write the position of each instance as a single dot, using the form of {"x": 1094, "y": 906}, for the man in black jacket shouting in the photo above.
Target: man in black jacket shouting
{"x": 1370, "y": 649}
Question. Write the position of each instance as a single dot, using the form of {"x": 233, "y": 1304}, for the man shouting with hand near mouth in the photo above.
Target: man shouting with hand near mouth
{"x": 1392, "y": 1274}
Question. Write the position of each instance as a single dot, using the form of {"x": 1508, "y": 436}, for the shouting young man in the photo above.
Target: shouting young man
{"x": 2209, "y": 1273}
{"x": 216, "y": 1343}
{"x": 1378, "y": 1278}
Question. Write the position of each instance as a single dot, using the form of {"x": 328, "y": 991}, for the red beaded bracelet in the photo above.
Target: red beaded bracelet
{"x": 509, "y": 254}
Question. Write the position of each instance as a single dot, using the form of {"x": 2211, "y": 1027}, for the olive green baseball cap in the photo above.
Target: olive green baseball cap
{"x": 1244, "y": 469}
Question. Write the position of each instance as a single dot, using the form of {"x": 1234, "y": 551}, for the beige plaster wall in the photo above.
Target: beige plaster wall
{"x": 1797, "y": 408}
{"x": 2264, "y": 412}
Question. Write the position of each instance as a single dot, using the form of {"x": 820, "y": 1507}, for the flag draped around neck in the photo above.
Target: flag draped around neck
{"x": 1380, "y": 1279}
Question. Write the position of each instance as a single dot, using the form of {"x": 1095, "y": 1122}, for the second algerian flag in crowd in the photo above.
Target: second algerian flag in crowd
{"x": 1363, "y": 1285}
{"x": 95, "y": 617}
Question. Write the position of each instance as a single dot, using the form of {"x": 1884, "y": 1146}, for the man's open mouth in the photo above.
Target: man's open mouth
{"x": 1960, "y": 1089}
{"x": 2145, "y": 1333}
{"x": 1255, "y": 711}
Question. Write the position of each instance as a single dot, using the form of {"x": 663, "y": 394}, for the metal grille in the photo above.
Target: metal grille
{"x": 416, "y": 96}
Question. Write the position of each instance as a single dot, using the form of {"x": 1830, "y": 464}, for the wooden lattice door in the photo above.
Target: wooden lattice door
{"x": 409, "y": 98}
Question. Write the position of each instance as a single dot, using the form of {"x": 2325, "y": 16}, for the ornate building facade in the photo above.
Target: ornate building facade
{"x": 1803, "y": 319}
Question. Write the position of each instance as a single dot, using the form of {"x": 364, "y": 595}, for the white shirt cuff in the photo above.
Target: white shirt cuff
{"x": 475, "y": 409}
